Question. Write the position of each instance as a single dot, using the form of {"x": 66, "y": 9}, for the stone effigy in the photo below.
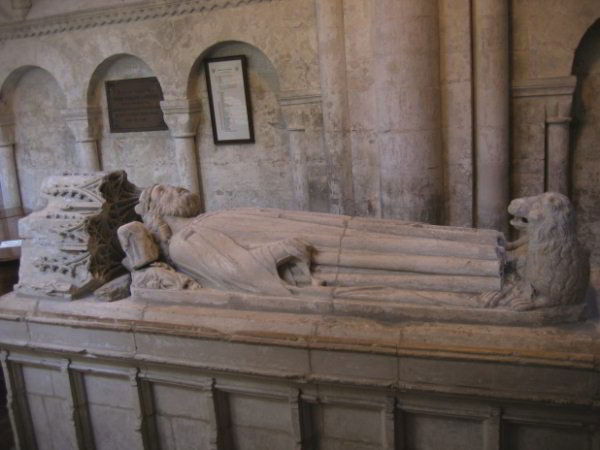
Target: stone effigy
{"x": 287, "y": 253}
{"x": 371, "y": 266}
{"x": 299, "y": 261}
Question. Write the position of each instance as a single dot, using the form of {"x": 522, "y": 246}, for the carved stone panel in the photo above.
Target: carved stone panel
{"x": 70, "y": 247}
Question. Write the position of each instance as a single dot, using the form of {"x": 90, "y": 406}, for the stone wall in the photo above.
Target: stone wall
{"x": 146, "y": 156}
{"x": 387, "y": 108}
{"x": 43, "y": 144}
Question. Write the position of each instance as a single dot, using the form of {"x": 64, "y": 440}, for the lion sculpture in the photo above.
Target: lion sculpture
{"x": 548, "y": 266}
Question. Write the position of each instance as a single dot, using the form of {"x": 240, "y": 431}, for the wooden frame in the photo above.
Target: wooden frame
{"x": 229, "y": 100}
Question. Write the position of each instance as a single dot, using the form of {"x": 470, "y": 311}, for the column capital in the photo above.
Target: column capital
{"x": 83, "y": 123}
{"x": 182, "y": 116}
{"x": 294, "y": 117}
{"x": 558, "y": 109}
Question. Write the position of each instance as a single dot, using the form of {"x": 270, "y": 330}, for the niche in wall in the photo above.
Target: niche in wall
{"x": 148, "y": 157}
{"x": 44, "y": 144}
{"x": 258, "y": 174}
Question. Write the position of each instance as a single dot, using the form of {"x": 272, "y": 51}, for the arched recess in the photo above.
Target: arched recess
{"x": 34, "y": 101}
{"x": 148, "y": 157}
{"x": 259, "y": 174}
{"x": 586, "y": 140}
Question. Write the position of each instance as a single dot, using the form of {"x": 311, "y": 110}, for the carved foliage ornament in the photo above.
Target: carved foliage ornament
{"x": 70, "y": 246}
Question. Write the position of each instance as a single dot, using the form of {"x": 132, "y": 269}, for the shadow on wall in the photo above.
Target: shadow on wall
{"x": 585, "y": 137}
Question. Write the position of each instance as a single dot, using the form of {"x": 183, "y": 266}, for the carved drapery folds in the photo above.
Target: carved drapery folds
{"x": 183, "y": 117}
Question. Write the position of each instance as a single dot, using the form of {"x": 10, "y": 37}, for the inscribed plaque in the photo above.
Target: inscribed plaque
{"x": 134, "y": 105}
{"x": 229, "y": 98}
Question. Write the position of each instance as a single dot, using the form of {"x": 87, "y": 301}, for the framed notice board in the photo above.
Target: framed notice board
{"x": 134, "y": 105}
{"x": 229, "y": 99}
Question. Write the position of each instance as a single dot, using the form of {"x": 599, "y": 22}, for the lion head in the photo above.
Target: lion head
{"x": 546, "y": 216}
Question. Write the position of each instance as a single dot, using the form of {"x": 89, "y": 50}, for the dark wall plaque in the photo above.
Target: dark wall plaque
{"x": 134, "y": 105}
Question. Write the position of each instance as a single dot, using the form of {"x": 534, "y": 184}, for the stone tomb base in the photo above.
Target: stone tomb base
{"x": 134, "y": 375}
{"x": 386, "y": 311}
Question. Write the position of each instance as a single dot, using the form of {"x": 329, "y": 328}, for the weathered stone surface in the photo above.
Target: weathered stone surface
{"x": 435, "y": 432}
{"x": 70, "y": 247}
{"x": 339, "y": 110}
{"x": 137, "y": 243}
{"x": 269, "y": 380}
{"x": 299, "y": 261}
{"x": 116, "y": 289}
{"x": 551, "y": 267}
{"x": 282, "y": 253}
{"x": 362, "y": 267}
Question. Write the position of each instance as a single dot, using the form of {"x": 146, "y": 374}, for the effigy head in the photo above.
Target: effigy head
{"x": 165, "y": 200}
{"x": 542, "y": 212}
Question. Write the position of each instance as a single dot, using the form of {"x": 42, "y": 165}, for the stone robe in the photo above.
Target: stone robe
{"x": 242, "y": 250}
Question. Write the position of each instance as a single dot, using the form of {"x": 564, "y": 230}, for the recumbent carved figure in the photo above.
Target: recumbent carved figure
{"x": 284, "y": 253}
{"x": 301, "y": 261}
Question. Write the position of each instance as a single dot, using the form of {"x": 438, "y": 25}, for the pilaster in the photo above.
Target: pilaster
{"x": 182, "y": 116}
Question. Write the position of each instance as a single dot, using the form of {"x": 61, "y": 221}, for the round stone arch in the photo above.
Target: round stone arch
{"x": 35, "y": 141}
{"x": 147, "y": 156}
{"x": 265, "y": 173}
{"x": 258, "y": 61}
{"x": 47, "y": 57}
{"x": 11, "y": 80}
{"x": 137, "y": 66}
{"x": 585, "y": 140}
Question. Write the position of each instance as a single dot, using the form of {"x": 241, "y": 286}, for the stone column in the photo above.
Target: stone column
{"x": 407, "y": 80}
{"x": 9, "y": 180}
{"x": 558, "y": 138}
{"x": 491, "y": 99}
{"x": 182, "y": 117}
{"x": 296, "y": 132}
{"x": 84, "y": 124}
{"x": 332, "y": 65}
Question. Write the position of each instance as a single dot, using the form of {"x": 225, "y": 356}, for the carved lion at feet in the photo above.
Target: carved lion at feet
{"x": 547, "y": 266}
